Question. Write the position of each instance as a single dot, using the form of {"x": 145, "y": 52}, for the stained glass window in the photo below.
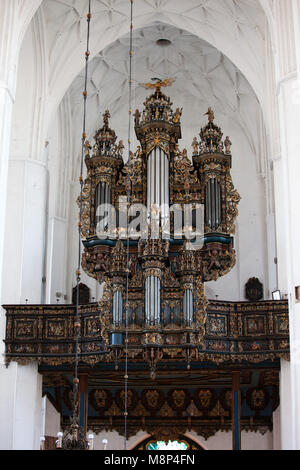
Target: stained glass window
{"x": 172, "y": 445}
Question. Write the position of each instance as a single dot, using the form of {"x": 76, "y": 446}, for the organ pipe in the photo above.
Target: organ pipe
{"x": 152, "y": 301}
{"x": 188, "y": 308}
{"x": 102, "y": 197}
{"x": 213, "y": 204}
{"x": 158, "y": 183}
{"x": 117, "y": 308}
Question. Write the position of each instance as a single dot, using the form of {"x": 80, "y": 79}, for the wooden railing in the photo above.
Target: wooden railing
{"x": 234, "y": 332}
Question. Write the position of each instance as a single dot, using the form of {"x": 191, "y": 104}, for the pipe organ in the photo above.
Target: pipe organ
{"x": 154, "y": 313}
{"x": 165, "y": 274}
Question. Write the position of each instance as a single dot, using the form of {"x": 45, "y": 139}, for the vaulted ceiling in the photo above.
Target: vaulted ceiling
{"x": 204, "y": 77}
{"x": 236, "y": 28}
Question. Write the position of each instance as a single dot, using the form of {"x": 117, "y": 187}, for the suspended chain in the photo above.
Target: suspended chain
{"x": 129, "y": 188}
{"x": 78, "y": 272}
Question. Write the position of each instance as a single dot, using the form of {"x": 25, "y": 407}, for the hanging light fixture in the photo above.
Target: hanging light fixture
{"x": 74, "y": 437}
{"x": 129, "y": 194}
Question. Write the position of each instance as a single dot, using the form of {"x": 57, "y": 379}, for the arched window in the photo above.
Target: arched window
{"x": 171, "y": 445}
{"x": 182, "y": 443}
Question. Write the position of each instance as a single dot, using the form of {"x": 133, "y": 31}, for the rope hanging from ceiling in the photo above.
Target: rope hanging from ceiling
{"x": 129, "y": 194}
{"x": 74, "y": 437}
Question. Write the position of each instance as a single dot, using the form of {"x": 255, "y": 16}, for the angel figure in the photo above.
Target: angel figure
{"x": 88, "y": 148}
{"x": 177, "y": 115}
{"x": 137, "y": 117}
{"x": 195, "y": 145}
{"x": 120, "y": 147}
{"x": 227, "y": 144}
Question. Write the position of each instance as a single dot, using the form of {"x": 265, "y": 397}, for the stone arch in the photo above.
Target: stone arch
{"x": 28, "y": 9}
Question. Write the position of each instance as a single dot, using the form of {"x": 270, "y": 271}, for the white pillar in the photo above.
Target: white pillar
{"x": 20, "y": 407}
{"x": 8, "y": 53}
{"x": 24, "y": 232}
{"x": 57, "y": 261}
{"x": 289, "y": 230}
{"x": 276, "y": 430}
{"x": 21, "y": 387}
{"x": 52, "y": 420}
{"x": 287, "y": 197}
{"x": 14, "y": 19}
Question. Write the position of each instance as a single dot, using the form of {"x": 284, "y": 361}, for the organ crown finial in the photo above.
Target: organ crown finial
{"x": 158, "y": 84}
{"x": 106, "y": 117}
{"x": 158, "y": 108}
{"x": 210, "y": 114}
{"x": 211, "y": 135}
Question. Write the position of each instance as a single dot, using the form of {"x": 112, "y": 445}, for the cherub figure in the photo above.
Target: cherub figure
{"x": 195, "y": 145}
{"x": 177, "y": 115}
{"x": 138, "y": 152}
{"x": 184, "y": 153}
{"x": 88, "y": 148}
{"x": 210, "y": 114}
{"x": 137, "y": 117}
{"x": 214, "y": 255}
{"x": 106, "y": 117}
{"x": 227, "y": 144}
{"x": 220, "y": 146}
{"x": 101, "y": 261}
{"x": 120, "y": 147}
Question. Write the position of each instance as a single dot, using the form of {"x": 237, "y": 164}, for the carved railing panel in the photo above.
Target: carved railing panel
{"x": 234, "y": 332}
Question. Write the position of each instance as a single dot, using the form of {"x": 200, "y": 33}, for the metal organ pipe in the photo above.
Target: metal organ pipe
{"x": 117, "y": 308}
{"x": 188, "y": 309}
{"x": 158, "y": 195}
{"x": 152, "y": 301}
{"x": 213, "y": 204}
{"x": 162, "y": 185}
{"x": 152, "y": 298}
{"x": 158, "y": 188}
{"x": 158, "y": 182}
{"x": 102, "y": 197}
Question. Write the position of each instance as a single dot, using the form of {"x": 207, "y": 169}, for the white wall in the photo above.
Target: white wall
{"x": 220, "y": 441}
{"x": 52, "y": 421}
{"x": 20, "y": 407}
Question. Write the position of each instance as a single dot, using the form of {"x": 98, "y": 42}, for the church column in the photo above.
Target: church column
{"x": 14, "y": 19}
{"x": 20, "y": 407}
{"x": 8, "y": 58}
{"x": 287, "y": 196}
{"x": 21, "y": 386}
